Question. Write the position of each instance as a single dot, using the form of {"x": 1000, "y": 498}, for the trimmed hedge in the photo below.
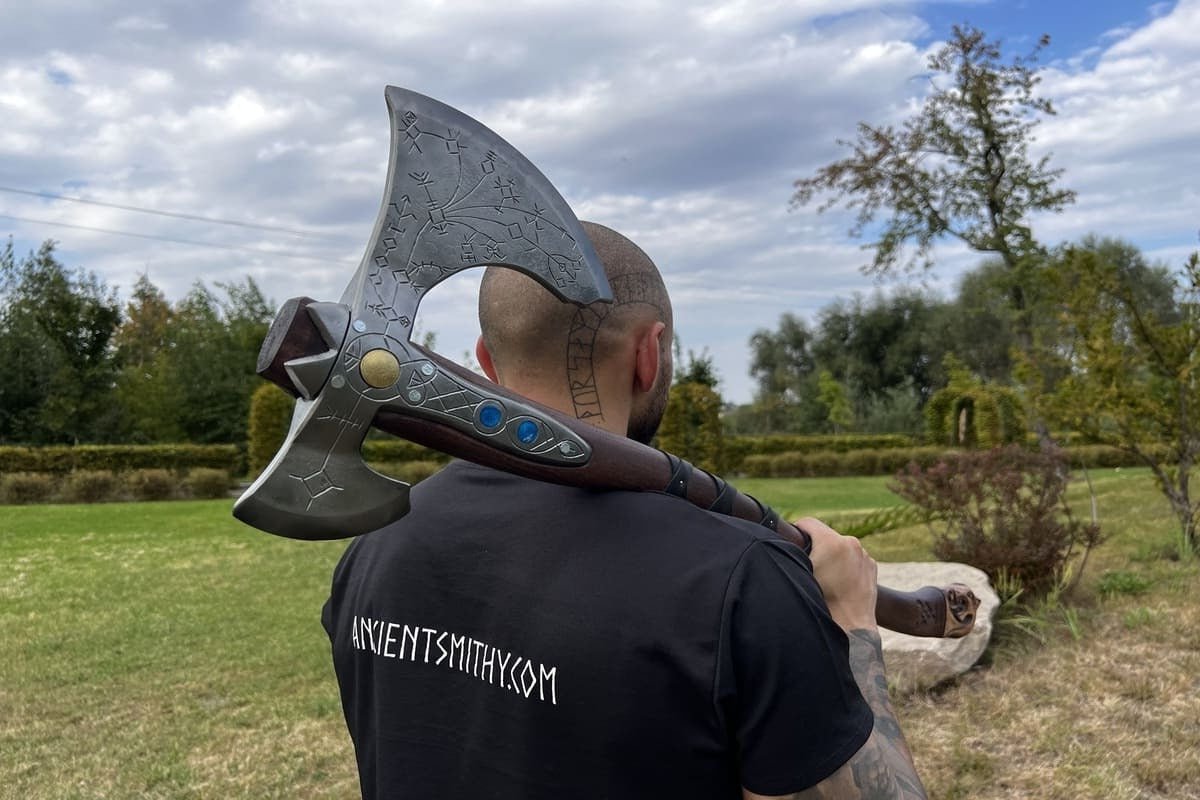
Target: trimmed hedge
{"x": 61, "y": 459}
{"x": 890, "y": 461}
{"x": 408, "y": 471}
{"x": 738, "y": 448}
{"x": 89, "y": 486}
{"x": 837, "y": 443}
{"x": 206, "y": 483}
{"x": 150, "y": 484}
{"x": 21, "y": 488}
{"x": 394, "y": 449}
{"x": 101, "y": 486}
{"x": 834, "y": 464}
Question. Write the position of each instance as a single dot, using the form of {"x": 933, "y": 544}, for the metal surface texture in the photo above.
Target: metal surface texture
{"x": 457, "y": 196}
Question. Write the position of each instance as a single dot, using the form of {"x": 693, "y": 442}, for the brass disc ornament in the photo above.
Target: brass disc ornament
{"x": 379, "y": 368}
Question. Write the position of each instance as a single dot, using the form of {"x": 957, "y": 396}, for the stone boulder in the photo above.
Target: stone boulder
{"x": 916, "y": 662}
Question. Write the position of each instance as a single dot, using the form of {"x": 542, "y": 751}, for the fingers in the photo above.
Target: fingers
{"x": 846, "y": 573}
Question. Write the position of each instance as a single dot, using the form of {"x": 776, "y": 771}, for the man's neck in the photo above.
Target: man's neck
{"x": 603, "y": 412}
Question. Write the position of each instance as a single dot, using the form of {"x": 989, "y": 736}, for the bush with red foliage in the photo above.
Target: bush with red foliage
{"x": 1002, "y": 510}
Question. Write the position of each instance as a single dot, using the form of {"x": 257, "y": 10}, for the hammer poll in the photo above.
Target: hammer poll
{"x": 459, "y": 196}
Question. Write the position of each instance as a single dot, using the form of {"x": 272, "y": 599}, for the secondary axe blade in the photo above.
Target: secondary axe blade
{"x": 317, "y": 486}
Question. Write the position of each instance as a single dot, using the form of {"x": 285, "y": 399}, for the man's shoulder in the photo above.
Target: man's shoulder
{"x": 466, "y": 505}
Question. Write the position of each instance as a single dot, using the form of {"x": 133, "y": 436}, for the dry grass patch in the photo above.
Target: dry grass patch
{"x": 1114, "y": 715}
{"x": 1111, "y": 713}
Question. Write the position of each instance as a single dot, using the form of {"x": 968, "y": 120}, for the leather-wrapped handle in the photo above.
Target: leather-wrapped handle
{"x": 616, "y": 463}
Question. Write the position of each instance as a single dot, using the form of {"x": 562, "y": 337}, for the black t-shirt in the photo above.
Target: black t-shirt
{"x": 516, "y": 639}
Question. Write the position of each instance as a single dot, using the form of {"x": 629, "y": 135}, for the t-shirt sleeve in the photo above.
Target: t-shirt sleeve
{"x": 784, "y": 685}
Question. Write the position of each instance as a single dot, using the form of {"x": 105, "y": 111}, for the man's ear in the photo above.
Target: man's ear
{"x": 646, "y": 363}
{"x": 485, "y": 360}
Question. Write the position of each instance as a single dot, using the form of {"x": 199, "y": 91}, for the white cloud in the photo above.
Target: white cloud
{"x": 682, "y": 125}
{"x": 135, "y": 22}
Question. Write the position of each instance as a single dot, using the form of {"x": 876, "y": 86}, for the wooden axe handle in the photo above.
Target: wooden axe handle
{"x": 616, "y": 463}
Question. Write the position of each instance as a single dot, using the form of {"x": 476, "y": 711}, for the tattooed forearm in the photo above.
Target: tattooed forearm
{"x": 888, "y": 771}
{"x": 882, "y": 769}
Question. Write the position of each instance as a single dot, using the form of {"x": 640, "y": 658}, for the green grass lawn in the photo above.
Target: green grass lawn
{"x": 164, "y": 650}
{"x": 821, "y": 497}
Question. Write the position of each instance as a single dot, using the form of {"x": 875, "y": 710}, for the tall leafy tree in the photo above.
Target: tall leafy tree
{"x": 1129, "y": 364}
{"x": 56, "y": 330}
{"x": 214, "y": 343}
{"x": 960, "y": 168}
{"x": 150, "y": 398}
{"x": 784, "y": 370}
{"x": 878, "y": 345}
{"x": 981, "y": 325}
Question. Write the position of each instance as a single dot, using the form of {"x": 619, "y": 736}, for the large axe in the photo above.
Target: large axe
{"x": 459, "y": 196}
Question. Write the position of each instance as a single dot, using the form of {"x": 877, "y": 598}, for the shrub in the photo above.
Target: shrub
{"x": 150, "y": 484}
{"x": 20, "y": 488}
{"x": 270, "y": 418}
{"x": 205, "y": 484}
{"x": 89, "y": 486}
{"x": 1002, "y": 510}
{"x": 860, "y": 462}
{"x": 691, "y": 426}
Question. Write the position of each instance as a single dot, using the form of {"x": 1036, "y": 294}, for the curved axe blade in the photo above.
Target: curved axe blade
{"x": 457, "y": 196}
{"x": 460, "y": 196}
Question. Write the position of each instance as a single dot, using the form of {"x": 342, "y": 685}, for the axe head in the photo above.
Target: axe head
{"x": 457, "y": 196}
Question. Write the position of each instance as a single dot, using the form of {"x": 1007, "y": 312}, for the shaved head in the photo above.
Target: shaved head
{"x": 535, "y": 338}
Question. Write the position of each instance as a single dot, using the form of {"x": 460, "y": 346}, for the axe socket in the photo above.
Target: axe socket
{"x": 292, "y": 335}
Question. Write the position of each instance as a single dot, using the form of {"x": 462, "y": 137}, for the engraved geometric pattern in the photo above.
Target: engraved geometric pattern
{"x": 458, "y": 196}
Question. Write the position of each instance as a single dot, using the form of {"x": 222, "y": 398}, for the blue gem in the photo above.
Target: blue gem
{"x": 527, "y": 431}
{"x": 490, "y": 416}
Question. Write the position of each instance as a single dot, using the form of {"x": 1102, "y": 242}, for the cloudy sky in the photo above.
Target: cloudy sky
{"x": 681, "y": 124}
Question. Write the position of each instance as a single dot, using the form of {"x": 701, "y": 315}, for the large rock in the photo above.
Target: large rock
{"x": 915, "y": 662}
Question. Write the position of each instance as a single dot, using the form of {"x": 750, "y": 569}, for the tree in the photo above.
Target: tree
{"x": 832, "y": 395}
{"x": 783, "y": 367}
{"x": 981, "y": 325}
{"x": 882, "y": 345}
{"x": 959, "y": 168}
{"x": 149, "y": 397}
{"x": 214, "y": 343}
{"x": 56, "y": 329}
{"x": 1130, "y": 367}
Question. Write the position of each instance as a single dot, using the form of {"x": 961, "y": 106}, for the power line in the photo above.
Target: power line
{"x": 255, "y": 251}
{"x": 158, "y": 212}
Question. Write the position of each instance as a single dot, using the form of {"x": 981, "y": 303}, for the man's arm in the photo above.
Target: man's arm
{"x": 882, "y": 769}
